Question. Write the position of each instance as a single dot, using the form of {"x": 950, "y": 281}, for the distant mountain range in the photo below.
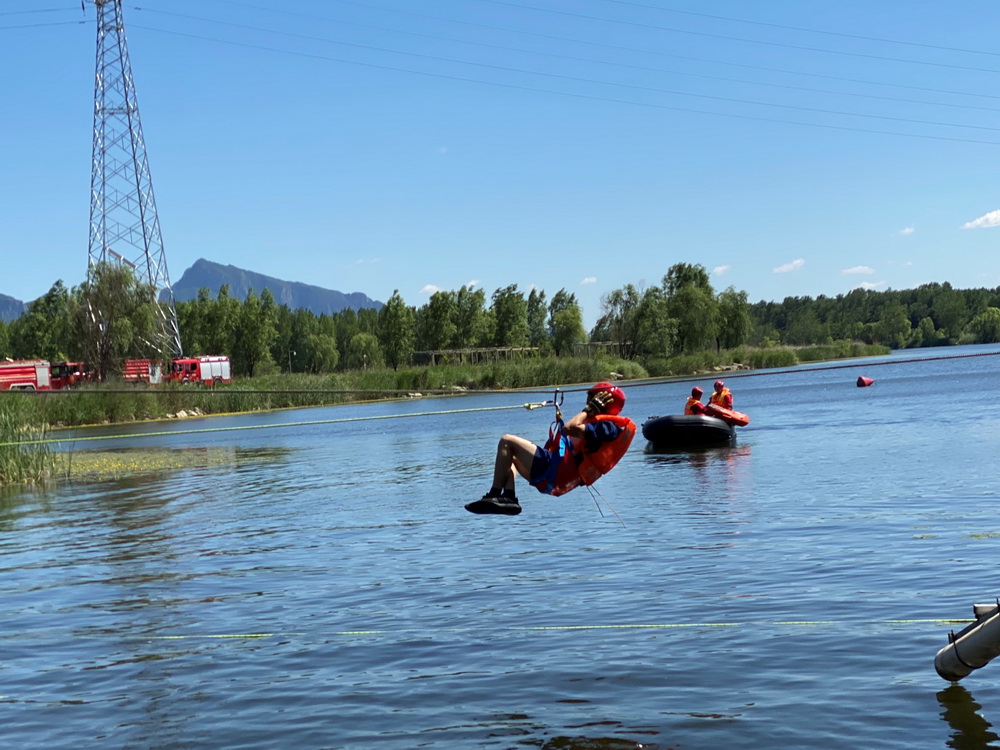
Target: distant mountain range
{"x": 10, "y": 308}
{"x": 205, "y": 274}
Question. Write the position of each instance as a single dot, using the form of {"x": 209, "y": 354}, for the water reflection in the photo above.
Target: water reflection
{"x": 697, "y": 457}
{"x": 971, "y": 731}
{"x": 11, "y": 498}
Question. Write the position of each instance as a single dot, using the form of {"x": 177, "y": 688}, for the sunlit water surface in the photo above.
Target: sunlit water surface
{"x": 327, "y": 589}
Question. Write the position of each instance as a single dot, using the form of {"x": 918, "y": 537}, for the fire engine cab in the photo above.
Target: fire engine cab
{"x": 204, "y": 370}
{"x": 25, "y": 375}
{"x": 70, "y": 374}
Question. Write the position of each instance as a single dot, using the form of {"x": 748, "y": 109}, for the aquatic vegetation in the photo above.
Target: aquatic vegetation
{"x": 22, "y": 460}
{"x": 106, "y": 465}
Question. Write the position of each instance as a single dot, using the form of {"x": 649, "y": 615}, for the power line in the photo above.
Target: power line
{"x": 741, "y": 39}
{"x": 43, "y": 25}
{"x": 807, "y": 30}
{"x": 36, "y": 10}
{"x": 575, "y": 79}
{"x": 590, "y": 97}
{"x": 620, "y": 48}
{"x": 594, "y": 61}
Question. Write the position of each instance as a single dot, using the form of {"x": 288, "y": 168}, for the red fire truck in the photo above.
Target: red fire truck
{"x": 69, "y": 374}
{"x": 25, "y": 375}
{"x": 204, "y": 370}
{"x": 143, "y": 371}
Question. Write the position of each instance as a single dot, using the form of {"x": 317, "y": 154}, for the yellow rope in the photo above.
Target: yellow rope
{"x": 622, "y": 626}
{"x": 233, "y": 428}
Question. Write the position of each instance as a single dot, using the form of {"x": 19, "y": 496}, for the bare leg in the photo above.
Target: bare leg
{"x": 513, "y": 453}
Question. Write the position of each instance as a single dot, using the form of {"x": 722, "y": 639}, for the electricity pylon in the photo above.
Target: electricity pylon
{"x": 124, "y": 226}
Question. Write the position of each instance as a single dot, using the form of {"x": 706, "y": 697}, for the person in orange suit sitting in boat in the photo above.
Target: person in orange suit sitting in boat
{"x": 694, "y": 405}
{"x": 578, "y": 452}
{"x": 721, "y": 397}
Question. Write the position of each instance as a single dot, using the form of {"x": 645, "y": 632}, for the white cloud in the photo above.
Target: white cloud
{"x": 365, "y": 261}
{"x": 588, "y": 280}
{"x": 870, "y": 284}
{"x": 992, "y": 219}
{"x": 906, "y": 231}
{"x": 472, "y": 284}
{"x": 795, "y": 265}
{"x": 866, "y": 270}
{"x": 719, "y": 270}
{"x": 430, "y": 289}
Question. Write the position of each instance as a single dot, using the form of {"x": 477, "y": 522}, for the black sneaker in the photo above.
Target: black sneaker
{"x": 505, "y": 506}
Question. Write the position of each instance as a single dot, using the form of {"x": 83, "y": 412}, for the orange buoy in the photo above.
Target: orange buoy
{"x": 864, "y": 382}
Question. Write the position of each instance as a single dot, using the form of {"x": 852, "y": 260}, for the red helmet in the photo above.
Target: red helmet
{"x": 617, "y": 396}
{"x": 719, "y": 384}
{"x": 696, "y": 392}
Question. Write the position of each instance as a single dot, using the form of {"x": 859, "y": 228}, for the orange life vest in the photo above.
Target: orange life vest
{"x": 719, "y": 398}
{"x": 689, "y": 406}
{"x": 578, "y": 466}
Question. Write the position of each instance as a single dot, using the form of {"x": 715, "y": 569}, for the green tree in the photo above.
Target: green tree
{"x": 368, "y": 320}
{"x": 363, "y": 352}
{"x": 510, "y": 310}
{"x": 656, "y": 328}
{"x": 926, "y": 334}
{"x": 692, "y": 304}
{"x": 396, "y": 331}
{"x": 536, "y": 314}
{"x": 985, "y": 327}
{"x": 255, "y": 333}
{"x": 950, "y": 312}
{"x": 114, "y": 317}
{"x": 281, "y": 347}
{"x": 435, "y": 322}
{"x": 319, "y": 352}
{"x": 4, "y": 340}
{"x": 638, "y": 321}
{"x": 346, "y": 325}
{"x": 619, "y": 319}
{"x": 471, "y": 327}
{"x": 560, "y": 301}
{"x": 735, "y": 322}
{"x": 893, "y": 327}
{"x": 43, "y": 332}
{"x": 803, "y": 327}
{"x": 681, "y": 275}
{"x": 223, "y": 319}
{"x": 564, "y": 315}
{"x": 568, "y": 330}
{"x": 193, "y": 322}
{"x": 697, "y": 314}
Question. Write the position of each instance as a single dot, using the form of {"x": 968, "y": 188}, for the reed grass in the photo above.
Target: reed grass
{"x": 760, "y": 358}
{"x": 22, "y": 463}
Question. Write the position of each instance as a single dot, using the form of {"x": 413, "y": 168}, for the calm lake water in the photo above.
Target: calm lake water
{"x": 324, "y": 587}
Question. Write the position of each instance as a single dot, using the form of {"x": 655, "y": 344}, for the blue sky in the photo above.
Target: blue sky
{"x": 792, "y": 149}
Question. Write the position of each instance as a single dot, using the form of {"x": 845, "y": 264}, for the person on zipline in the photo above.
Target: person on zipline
{"x": 578, "y": 452}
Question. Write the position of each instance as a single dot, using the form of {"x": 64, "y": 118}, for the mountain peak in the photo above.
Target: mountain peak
{"x": 207, "y": 274}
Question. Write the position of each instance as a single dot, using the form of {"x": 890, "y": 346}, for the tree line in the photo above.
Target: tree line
{"x": 113, "y": 316}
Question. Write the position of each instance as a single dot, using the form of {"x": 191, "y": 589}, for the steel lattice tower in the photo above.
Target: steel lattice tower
{"x": 124, "y": 225}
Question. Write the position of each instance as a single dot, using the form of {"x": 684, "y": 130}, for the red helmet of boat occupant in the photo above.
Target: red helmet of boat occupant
{"x": 719, "y": 384}
{"x": 617, "y": 396}
{"x": 696, "y": 392}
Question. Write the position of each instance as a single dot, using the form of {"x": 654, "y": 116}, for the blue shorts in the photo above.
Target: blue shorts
{"x": 543, "y": 468}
